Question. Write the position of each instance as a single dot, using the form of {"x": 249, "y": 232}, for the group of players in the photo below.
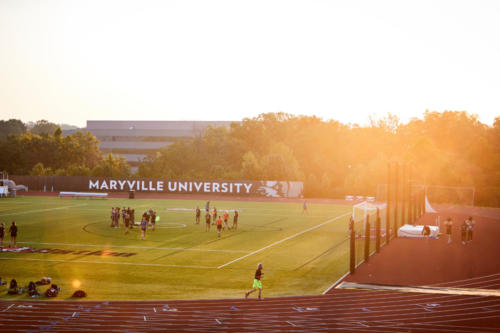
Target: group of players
{"x": 221, "y": 222}
{"x": 149, "y": 217}
{"x": 466, "y": 229}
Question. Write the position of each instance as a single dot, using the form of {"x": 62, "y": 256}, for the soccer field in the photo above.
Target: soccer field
{"x": 179, "y": 260}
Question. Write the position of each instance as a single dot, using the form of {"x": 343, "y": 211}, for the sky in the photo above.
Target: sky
{"x": 70, "y": 61}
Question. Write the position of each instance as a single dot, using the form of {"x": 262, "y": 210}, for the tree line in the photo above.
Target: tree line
{"x": 333, "y": 159}
{"x": 41, "y": 150}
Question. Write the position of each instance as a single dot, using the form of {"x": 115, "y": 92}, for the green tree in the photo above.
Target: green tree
{"x": 111, "y": 166}
{"x": 11, "y": 126}
{"x": 43, "y": 127}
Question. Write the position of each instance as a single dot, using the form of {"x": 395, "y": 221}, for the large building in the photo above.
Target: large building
{"x": 135, "y": 139}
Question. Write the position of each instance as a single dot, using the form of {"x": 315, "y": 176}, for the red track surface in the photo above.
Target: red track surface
{"x": 403, "y": 262}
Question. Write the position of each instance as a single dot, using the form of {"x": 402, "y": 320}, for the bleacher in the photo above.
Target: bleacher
{"x": 82, "y": 195}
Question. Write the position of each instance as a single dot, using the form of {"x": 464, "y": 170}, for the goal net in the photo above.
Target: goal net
{"x": 362, "y": 210}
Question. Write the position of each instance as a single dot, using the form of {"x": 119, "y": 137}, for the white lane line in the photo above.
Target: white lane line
{"x": 218, "y": 321}
{"x": 469, "y": 279}
{"x": 335, "y": 283}
{"x": 422, "y": 289}
{"x": 289, "y": 322}
{"x": 7, "y": 309}
{"x": 283, "y": 240}
{"x": 43, "y": 210}
{"x": 107, "y": 263}
{"x": 135, "y": 247}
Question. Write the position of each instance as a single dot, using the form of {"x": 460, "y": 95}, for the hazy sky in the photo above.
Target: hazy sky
{"x": 69, "y": 61}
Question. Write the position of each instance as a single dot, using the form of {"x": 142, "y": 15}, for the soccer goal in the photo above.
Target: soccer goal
{"x": 362, "y": 210}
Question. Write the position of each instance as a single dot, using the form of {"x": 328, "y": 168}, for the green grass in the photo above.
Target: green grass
{"x": 176, "y": 261}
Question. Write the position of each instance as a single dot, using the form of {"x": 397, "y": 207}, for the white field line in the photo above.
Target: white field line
{"x": 283, "y": 240}
{"x": 135, "y": 247}
{"x": 335, "y": 283}
{"x": 107, "y": 263}
{"x": 43, "y": 210}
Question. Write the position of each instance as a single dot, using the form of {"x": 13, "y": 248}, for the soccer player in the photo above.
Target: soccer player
{"x": 448, "y": 224}
{"x": 219, "y": 226}
{"x": 235, "y": 220}
{"x": 207, "y": 206}
{"x": 215, "y": 214}
{"x": 2, "y": 234}
{"x": 198, "y": 214}
{"x": 304, "y": 208}
{"x": 207, "y": 221}
{"x": 112, "y": 217}
{"x": 226, "y": 217}
{"x": 124, "y": 211}
{"x": 117, "y": 218}
{"x": 144, "y": 226}
{"x": 127, "y": 222}
{"x": 153, "y": 219}
{"x": 13, "y": 234}
{"x": 257, "y": 283}
{"x": 132, "y": 218}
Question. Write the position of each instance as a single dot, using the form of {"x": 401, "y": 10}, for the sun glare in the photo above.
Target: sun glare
{"x": 76, "y": 283}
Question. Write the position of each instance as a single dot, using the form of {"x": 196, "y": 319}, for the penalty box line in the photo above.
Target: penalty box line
{"x": 284, "y": 239}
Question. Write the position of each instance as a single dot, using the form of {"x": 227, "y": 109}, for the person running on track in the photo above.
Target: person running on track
{"x": 257, "y": 283}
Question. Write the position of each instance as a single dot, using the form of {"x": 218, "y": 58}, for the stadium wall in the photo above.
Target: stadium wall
{"x": 261, "y": 188}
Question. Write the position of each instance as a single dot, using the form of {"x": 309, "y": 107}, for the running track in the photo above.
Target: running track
{"x": 340, "y": 310}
